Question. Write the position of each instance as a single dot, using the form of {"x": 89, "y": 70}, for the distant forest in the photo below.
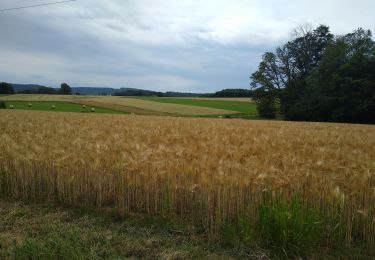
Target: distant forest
{"x": 318, "y": 76}
{"x": 8, "y": 88}
{"x": 221, "y": 93}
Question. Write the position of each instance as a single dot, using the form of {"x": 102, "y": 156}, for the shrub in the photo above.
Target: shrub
{"x": 2, "y": 105}
{"x": 266, "y": 107}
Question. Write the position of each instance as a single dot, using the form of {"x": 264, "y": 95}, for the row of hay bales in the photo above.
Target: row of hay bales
{"x": 92, "y": 109}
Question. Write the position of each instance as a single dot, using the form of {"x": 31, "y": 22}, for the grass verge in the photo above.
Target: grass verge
{"x": 48, "y": 231}
{"x": 44, "y": 231}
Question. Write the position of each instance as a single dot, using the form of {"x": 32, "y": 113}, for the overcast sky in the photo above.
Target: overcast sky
{"x": 176, "y": 45}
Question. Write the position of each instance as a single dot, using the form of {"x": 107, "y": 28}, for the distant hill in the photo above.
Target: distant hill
{"x": 94, "y": 91}
{"x": 23, "y": 87}
{"x": 33, "y": 89}
{"x": 137, "y": 92}
{"x": 81, "y": 90}
{"x": 142, "y": 92}
{"x": 183, "y": 94}
{"x": 130, "y": 92}
{"x": 233, "y": 93}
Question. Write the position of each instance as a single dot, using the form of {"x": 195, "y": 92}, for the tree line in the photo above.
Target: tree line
{"x": 65, "y": 89}
{"x": 6, "y": 88}
{"x": 221, "y": 93}
{"x": 318, "y": 76}
{"x": 238, "y": 92}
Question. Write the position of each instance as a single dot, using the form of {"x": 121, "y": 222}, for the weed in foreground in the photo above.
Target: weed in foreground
{"x": 288, "y": 228}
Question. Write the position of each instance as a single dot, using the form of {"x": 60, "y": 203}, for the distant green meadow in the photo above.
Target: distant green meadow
{"x": 246, "y": 108}
{"x": 240, "y": 109}
{"x": 59, "y": 107}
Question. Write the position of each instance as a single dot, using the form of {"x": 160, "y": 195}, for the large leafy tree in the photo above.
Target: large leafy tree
{"x": 284, "y": 71}
{"x": 342, "y": 87}
{"x": 293, "y": 61}
{"x": 319, "y": 77}
{"x": 65, "y": 89}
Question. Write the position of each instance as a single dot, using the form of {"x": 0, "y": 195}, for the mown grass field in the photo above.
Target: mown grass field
{"x": 167, "y": 108}
{"x": 246, "y": 108}
{"x": 144, "y": 106}
{"x": 294, "y": 189}
{"x": 59, "y": 107}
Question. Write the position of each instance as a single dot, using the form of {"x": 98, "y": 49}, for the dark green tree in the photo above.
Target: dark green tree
{"x": 6, "y": 88}
{"x": 266, "y": 107}
{"x": 65, "y": 89}
{"x": 335, "y": 84}
{"x": 284, "y": 72}
{"x": 342, "y": 87}
{"x": 265, "y": 102}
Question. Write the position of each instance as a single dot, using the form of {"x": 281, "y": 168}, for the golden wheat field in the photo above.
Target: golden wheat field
{"x": 207, "y": 170}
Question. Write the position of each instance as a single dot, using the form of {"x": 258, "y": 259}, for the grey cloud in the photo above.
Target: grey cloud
{"x": 162, "y": 45}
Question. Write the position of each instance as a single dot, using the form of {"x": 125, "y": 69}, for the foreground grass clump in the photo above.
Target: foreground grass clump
{"x": 48, "y": 231}
{"x": 241, "y": 177}
{"x": 288, "y": 229}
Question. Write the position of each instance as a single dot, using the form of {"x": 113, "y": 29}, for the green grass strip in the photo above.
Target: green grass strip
{"x": 247, "y": 108}
{"x": 58, "y": 106}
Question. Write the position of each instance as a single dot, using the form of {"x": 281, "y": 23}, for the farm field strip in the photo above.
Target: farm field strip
{"x": 125, "y": 109}
{"x": 208, "y": 171}
{"x": 128, "y": 104}
{"x": 82, "y": 100}
{"x": 247, "y": 108}
{"x": 180, "y": 109}
{"x": 44, "y": 97}
{"x": 59, "y": 106}
{"x": 237, "y": 99}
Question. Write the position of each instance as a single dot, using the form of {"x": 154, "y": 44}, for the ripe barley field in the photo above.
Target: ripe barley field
{"x": 212, "y": 172}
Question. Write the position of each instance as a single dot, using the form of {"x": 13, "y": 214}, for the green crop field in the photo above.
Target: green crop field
{"x": 194, "y": 107}
{"x": 59, "y": 107}
{"x": 246, "y": 108}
